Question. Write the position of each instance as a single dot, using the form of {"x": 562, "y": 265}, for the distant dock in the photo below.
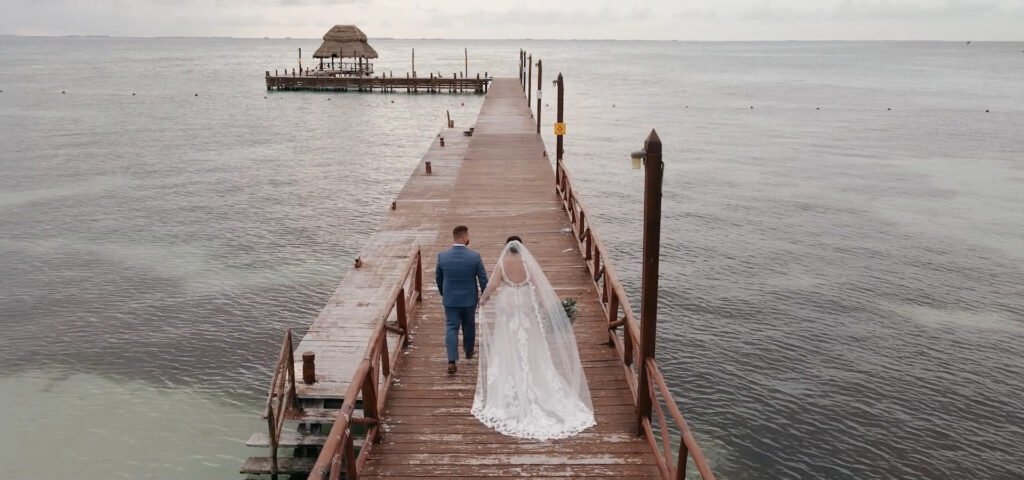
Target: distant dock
{"x": 334, "y": 73}
{"x": 435, "y": 83}
{"x": 366, "y": 394}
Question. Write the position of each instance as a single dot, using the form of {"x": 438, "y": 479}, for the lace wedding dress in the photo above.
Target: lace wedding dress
{"x": 530, "y": 381}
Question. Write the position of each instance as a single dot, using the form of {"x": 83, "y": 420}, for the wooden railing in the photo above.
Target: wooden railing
{"x": 281, "y": 396}
{"x": 614, "y": 301}
{"x": 372, "y": 380}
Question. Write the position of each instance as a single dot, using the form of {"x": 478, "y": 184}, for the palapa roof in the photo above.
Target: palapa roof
{"x": 349, "y": 40}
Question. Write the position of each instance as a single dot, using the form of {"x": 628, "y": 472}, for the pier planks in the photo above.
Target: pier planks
{"x": 503, "y": 185}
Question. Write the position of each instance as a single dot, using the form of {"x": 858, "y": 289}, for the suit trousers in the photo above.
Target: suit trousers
{"x": 455, "y": 318}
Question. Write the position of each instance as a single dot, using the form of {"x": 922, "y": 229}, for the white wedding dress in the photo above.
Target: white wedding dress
{"x": 530, "y": 382}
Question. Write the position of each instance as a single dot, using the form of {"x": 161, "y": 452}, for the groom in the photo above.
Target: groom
{"x": 458, "y": 271}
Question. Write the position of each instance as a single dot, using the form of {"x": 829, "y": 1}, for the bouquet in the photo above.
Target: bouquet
{"x": 569, "y": 304}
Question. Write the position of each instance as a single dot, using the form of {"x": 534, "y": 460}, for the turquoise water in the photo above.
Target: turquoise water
{"x": 842, "y": 267}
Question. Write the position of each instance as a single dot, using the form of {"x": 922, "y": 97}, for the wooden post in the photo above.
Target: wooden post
{"x": 522, "y": 70}
{"x": 529, "y": 81}
{"x": 419, "y": 276}
{"x": 467, "y": 64}
{"x": 308, "y": 368}
{"x": 403, "y": 312}
{"x": 427, "y": 165}
{"x": 414, "y": 63}
{"x": 649, "y": 290}
{"x": 560, "y": 119}
{"x": 540, "y": 88}
{"x": 448, "y": 113}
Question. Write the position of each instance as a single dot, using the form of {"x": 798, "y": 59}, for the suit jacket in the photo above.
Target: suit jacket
{"x": 458, "y": 271}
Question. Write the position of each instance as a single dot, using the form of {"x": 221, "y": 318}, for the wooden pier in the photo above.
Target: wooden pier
{"x": 435, "y": 83}
{"x": 382, "y": 404}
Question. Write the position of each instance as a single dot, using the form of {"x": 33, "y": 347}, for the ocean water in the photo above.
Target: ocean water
{"x": 843, "y": 244}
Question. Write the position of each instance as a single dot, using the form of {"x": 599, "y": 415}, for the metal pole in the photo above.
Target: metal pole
{"x": 649, "y": 290}
{"x": 529, "y": 81}
{"x": 560, "y": 119}
{"x": 540, "y": 88}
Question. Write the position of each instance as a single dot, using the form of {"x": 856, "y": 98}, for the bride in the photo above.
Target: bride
{"x": 530, "y": 381}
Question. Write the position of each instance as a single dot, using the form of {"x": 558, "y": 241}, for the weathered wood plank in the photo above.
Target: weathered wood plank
{"x": 452, "y": 471}
{"x": 285, "y": 465}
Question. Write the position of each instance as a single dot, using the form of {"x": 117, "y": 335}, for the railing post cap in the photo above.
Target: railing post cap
{"x": 653, "y": 142}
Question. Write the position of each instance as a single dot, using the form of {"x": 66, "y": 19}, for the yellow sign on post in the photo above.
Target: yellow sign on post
{"x": 559, "y": 129}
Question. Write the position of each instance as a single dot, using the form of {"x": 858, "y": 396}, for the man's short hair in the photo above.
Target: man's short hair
{"x": 459, "y": 231}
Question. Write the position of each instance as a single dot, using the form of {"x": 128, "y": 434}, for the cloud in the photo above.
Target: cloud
{"x": 912, "y": 10}
{"x": 556, "y": 17}
{"x": 651, "y": 19}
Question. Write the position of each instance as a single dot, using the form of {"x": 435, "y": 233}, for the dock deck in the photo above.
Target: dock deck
{"x": 505, "y": 186}
{"x": 379, "y": 342}
{"x": 381, "y": 83}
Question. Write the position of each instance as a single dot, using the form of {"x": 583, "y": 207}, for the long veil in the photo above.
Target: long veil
{"x": 557, "y": 387}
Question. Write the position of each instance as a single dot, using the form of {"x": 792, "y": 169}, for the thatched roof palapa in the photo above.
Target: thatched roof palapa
{"x": 347, "y": 39}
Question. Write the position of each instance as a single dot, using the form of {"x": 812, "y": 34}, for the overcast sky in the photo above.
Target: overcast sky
{"x": 590, "y": 19}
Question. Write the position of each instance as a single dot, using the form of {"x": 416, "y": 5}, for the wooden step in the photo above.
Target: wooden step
{"x": 314, "y": 415}
{"x": 285, "y": 465}
{"x": 287, "y": 440}
{"x": 294, "y": 439}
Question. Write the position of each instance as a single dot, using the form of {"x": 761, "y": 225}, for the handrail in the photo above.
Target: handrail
{"x": 372, "y": 379}
{"x": 281, "y": 396}
{"x": 612, "y": 299}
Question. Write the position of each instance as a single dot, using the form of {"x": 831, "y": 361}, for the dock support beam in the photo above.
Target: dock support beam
{"x": 529, "y": 81}
{"x": 559, "y": 118}
{"x": 653, "y": 176}
{"x": 522, "y": 70}
{"x": 540, "y": 88}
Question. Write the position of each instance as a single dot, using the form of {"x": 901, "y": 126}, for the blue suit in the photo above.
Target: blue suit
{"x": 458, "y": 271}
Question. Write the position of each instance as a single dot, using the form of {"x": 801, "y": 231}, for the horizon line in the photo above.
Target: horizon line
{"x": 224, "y": 37}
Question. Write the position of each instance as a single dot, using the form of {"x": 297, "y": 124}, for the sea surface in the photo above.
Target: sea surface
{"x": 843, "y": 248}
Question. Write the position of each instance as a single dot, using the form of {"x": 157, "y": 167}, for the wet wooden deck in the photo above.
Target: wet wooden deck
{"x": 499, "y": 182}
{"x": 339, "y": 334}
{"x": 504, "y": 185}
